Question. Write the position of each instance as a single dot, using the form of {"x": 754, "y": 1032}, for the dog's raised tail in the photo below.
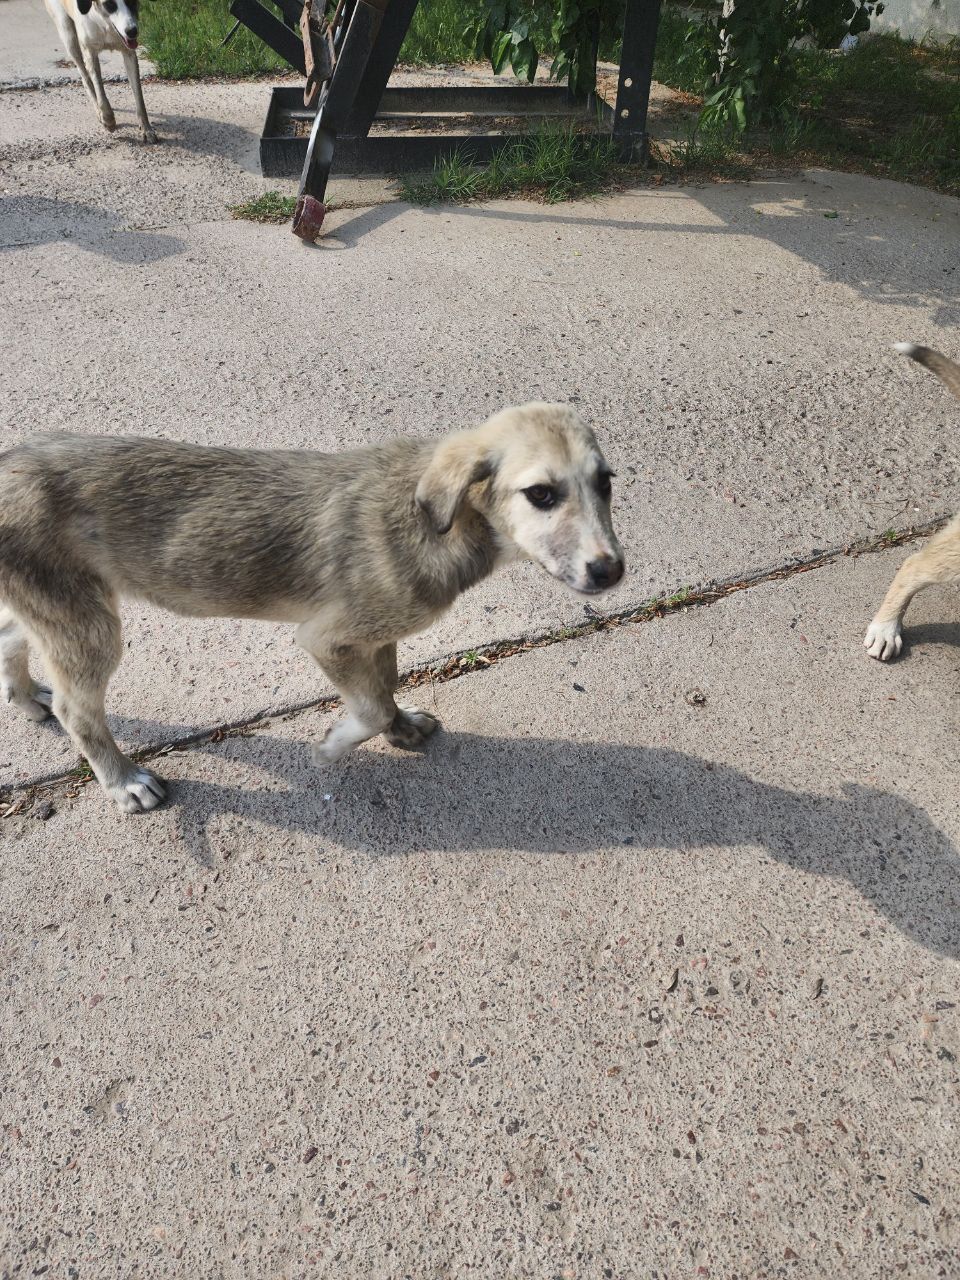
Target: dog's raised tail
{"x": 946, "y": 370}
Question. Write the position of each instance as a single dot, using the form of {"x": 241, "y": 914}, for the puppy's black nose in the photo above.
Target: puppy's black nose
{"x": 131, "y": 33}
{"x": 605, "y": 572}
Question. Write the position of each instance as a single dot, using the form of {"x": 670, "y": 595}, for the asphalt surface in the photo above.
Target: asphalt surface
{"x": 649, "y": 964}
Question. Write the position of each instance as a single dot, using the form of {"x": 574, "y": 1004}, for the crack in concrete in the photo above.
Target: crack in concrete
{"x": 18, "y": 797}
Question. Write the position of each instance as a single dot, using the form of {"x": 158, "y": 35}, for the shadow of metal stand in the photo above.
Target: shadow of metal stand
{"x": 347, "y": 60}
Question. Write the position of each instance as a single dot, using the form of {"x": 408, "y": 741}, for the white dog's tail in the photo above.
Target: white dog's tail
{"x": 946, "y": 370}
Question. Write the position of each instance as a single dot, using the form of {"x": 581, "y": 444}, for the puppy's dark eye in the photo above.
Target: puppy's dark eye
{"x": 603, "y": 484}
{"x": 110, "y": 6}
{"x": 541, "y": 496}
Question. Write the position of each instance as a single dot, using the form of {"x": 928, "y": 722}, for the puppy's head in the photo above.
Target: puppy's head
{"x": 122, "y": 14}
{"x": 537, "y": 475}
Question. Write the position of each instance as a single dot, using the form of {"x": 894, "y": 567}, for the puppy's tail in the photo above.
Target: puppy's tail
{"x": 946, "y": 370}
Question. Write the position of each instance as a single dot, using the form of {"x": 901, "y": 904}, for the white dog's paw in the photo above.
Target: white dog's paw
{"x": 108, "y": 120}
{"x": 411, "y": 727}
{"x": 149, "y": 135}
{"x": 884, "y": 640}
{"x": 139, "y": 791}
{"x": 36, "y": 704}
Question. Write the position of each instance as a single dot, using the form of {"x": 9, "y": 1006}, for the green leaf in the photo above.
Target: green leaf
{"x": 500, "y": 51}
{"x": 524, "y": 59}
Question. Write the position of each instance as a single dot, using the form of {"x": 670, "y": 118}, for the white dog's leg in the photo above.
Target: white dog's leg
{"x": 68, "y": 34}
{"x": 107, "y": 118}
{"x": 132, "y": 64}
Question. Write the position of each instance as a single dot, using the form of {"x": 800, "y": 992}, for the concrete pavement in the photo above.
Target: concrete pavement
{"x": 729, "y": 342}
{"x": 611, "y": 981}
{"x": 649, "y": 964}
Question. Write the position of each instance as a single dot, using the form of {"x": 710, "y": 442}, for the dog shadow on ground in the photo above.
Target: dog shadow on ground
{"x": 204, "y": 136}
{"x": 468, "y": 794}
{"x": 920, "y": 639}
{"x": 26, "y": 221}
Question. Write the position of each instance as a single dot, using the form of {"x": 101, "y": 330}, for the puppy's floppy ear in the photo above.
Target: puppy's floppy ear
{"x": 83, "y": 6}
{"x": 457, "y": 463}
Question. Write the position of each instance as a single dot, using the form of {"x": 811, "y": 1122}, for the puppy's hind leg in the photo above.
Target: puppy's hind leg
{"x": 82, "y": 649}
{"x": 366, "y": 678}
{"x": 16, "y": 686}
{"x": 939, "y": 561}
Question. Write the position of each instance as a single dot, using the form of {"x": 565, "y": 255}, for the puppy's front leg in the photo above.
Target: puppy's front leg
{"x": 939, "y": 561}
{"x": 366, "y": 678}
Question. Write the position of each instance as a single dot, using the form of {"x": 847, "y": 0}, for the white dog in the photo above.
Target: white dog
{"x": 88, "y": 28}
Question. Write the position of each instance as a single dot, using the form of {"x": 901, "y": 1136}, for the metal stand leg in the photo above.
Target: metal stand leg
{"x": 636, "y": 72}
{"x": 332, "y": 115}
{"x": 271, "y": 31}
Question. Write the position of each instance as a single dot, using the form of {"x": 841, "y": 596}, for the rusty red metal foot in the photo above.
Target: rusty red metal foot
{"x": 308, "y": 218}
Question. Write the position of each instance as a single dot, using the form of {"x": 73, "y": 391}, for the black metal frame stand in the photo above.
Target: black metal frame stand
{"x": 364, "y": 38}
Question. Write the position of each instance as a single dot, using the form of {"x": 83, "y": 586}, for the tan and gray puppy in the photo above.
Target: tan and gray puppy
{"x": 357, "y": 549}
{"x": 939, "y": 561}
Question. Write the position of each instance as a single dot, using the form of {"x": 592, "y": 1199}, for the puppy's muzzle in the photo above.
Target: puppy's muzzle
{"x": 604, "y": 572}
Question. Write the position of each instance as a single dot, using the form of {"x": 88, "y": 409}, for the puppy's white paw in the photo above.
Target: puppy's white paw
{"x": 140, "y": 791}
{"x": 339, "y": 741}
{"x": 36, "y": 704}
{"x": 411, "y": 727}
{"x": 884, "y": 640}
{"x": 108, "y": 120}
{"x": 149, "y": 136}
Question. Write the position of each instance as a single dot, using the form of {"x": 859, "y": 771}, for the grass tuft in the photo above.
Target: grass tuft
{"x": 441, "y": 31}
{"x": 270, "y": 207}
{"x": 550, "y": 165}
{"x": 703, "y": 153}
{"x": 183, "y": 38}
